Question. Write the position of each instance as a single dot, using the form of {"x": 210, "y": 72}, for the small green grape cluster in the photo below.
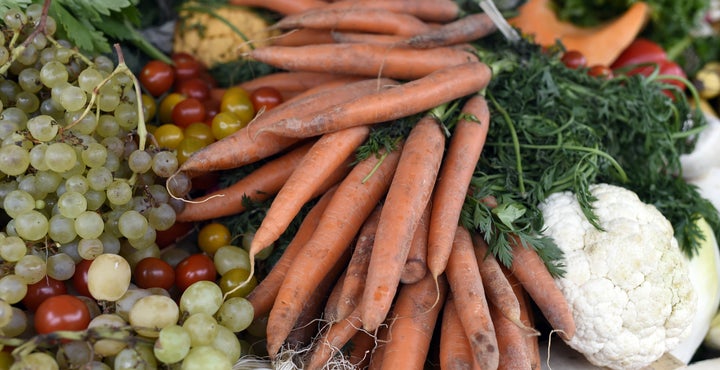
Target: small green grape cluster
{"x": 76, "y": 177}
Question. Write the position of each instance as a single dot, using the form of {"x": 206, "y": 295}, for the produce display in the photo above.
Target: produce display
{"x": 352, "y": 184}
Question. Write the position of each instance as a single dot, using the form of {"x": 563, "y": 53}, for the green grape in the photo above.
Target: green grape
{"x": 82, "y": 124}
{"x": 112, "y": 162}
{"x": 89, "y": 78}
{"x": 27, "y": 101}
{"x": 158, "y": 193}
{"x": 77, "y": 183}
{"x": 36, "y": 360}
{"x": 28, "y": 56}
{"x": 230, "y": 257}
{"x": 179, "y": 184}
{"x": 90, "y": 248}
{"x": 125, "y": 303}
{"x": 52, "y": 108}
{"x": 113, "y": 144}
{"x": 94, "y": 155}
{"x": 201, "y": 327}
{"x": 18, "y": 202}
{"x": 12, "y": 288}
{"x": 15, "y": 19}
{"x": 62, "y": 229}
{"x": 5, "y": 313}
{"x": 74, "y": 354}
{"x": 133, "y": 359}
{"x": 165, "y": 164}
{"x": 29, "y": 80}
{"x": 48, "y": 181}
{"x": 7, "y": 127}
{"x": 33, "y": 12}
{"x": 236, "y": 313}
{"x": 132, "y": 224}
{"x": 109, "y": 347}
{"x": 172, "y": 344}
{"x": 14, "y": 160}
{"x": 161, "y": 217}
{"x": 228, "y": 341}
{"x": 63, "y": 53}
{"x": 202, "y": 296}
{"x": 43, "y": 127}
{"x": 71, "y": 250}
{"x": 60, "y": 266}
{"x": 108, "y": 277}
{"x": 17, "y": 325}
{"x": 31, "y": 225}
{"x": 152, "y": 313}
{"x": 206, "y": 358}
{"x": 60, "y": 157}
{"x": 145, "y": 241}
{"x": 12, "y": 248}
{"x": 108, "y": 98}
{"x": 37, "y": 157}
{"x": 127, "y": 115}
{"x": 104, "y": 63}
{"x": 73, "y": 98}
{"x": 53, "y": 74}
{"x": 107, "y": 126}
{"x": 95, "y": 199}
{"x": 89, "y": 225}
{"x": 4, "y": 54}
{"x": 119, "y": 192}
{"x": 31, "y": 269}
{"x": 140, "y": 161}
{"x": 14, "y": 114}
{"x": 57, "y": 92}
{"x": 71, "y": 204}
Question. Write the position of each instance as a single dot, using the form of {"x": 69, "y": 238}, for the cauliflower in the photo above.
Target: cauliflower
{"x": 628, "y": 286}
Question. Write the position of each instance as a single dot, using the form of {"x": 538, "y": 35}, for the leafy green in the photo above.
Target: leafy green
{"x": 557, "y": 129}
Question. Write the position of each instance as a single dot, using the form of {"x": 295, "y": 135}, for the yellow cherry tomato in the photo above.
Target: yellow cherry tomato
{"x": 200, "y": 131}
{"x": 212, "y": 236}
{"x": 188, "y": 146}
{"x": 224, "y": 124}
{"x": 149, "y": 107}
{"x": 168, "y": 136}
{"x": 237, "y": 101}
{"x": 234, "y": 279}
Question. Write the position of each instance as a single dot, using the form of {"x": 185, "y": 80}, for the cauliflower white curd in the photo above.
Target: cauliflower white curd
{"x": 627, "y": 286}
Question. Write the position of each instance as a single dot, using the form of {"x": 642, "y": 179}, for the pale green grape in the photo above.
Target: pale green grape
{"x": 99, "y": 178}
{"x": 229, "y": 257}
{"x": 15, "y": 19}
{"x": 236, "y": 314}
{"x": 132, "y": 224}
{"x": 60, "y": 157}
{"x": 14, "y": 160}
{"x": 109, "y": 347}
{"x": 90, "y": 248}
{"x": 152, "y": 313}
{"x": 119, "y": 192}
{"x": 73, "y": 98}
{"x": 140, "y": 161}
{"x": 18, "y": 202}
{"x": 89, "y": 78}
{"x": 77, "y": 183}
{"x": 27, "y": 56}
{"x": 94, "y": 155}
{"x": 89, "y": 225}
{"x": 12, "y": 288}
{"x": 14, "y": 114}
{"x": 165, "y": 164}
{"x": 95, "y": 199}
{"x": 202, "y": 296}
{"x": 228, "y": 341}
{"x": 133, "y": 359}
{"x": 172, "y": 345}
{"x": 48, "y": 181}
{"x": 27, "y": 101}
{"x": 7, "y": 127}
{"x": 134, "y": 255}
{"x": 53, "y": 74}
{"x": 43, "y": 127}
{"x": 31, "y": 225}
{"x": 108, "y": 277}
{"x": 158, "y": 193}
{"x": 71, "y": 204}
{"x": 74, "y": 354}
{"x": 31, "y": 268}
{"x": 37, "y": 157}
{"x": 5, "y": 313}
{"x": 17, "y": 325}
{"x": 146, "y": 240}
{"x": 161, "y": 217}
{"x": 125, "y": 303}
{"x": 108, "y": 98}
{"x": 60, "y": 266}
{"x": 12, "y": 248}
{"x": 85, "y": 125}
{"x": 36, "y": 360}
{"x": 201, "y": 327}
{"x": 57, "y": 92}
{"x": 206, "y": 358}
{"x": 111, "y": 244}
{"x": 61, "y": 229}
{"x": 107, "y": 126}
{"x": 29, "y": 80}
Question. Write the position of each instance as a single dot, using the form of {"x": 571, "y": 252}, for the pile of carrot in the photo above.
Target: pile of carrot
{"x": 380, "y": 260}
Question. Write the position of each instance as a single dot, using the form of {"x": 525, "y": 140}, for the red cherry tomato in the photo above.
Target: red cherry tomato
{"x": 80, "y": 278}
{"x": 573, "y": 59}
{"x": 265, "y": 96}
{"x": 157, "y": 77}
{"x": 178, "y": 230}
{"x": 45, "y": 288}
{"x": 641, "y": 50}
{"x": 194, "y": 88}
{"x": 665, "y": 67}
{"x": 186, "y": 66}
{"x": 153, "y": 272}
{"x": 61, "y": 312}
{"x": 194, "y": 268}
{"x": 212, "y": 107}
{"x": 601, "y": 71}
{"x": 188, "y": 111}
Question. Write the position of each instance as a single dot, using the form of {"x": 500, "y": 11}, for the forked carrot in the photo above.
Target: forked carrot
{"x": 512, "y": 346}
{"x": 243, "y": 147}
{"x": 374, "y": 20}
{"x": 466, "y": 284}
{"x": 348, "y": 209}
{"x": 354, "y": 282}
{"x": 416, "y": 262}
{"x": 466, "y": 29}
{"x": 526, "y": 315}
{"x": 281, "y": 6}
{"x": 332, "y": 340}
{"x": 455, "y": 351}
{"x": 366, "y": 59}
{"x": 367, "y": 38}
{"x": 305, "y": 36}
{"x": 427, "y": 10}
{"x": 329, "y": 153}
{"x": 404, "y": 205}
{"x": 259, "y": 185}
{"x": 413, "y": 320}
{"x": 496, "y": 285}
{"x": 263, "y": 295}
{"x": 463, "y": 153}
{"x": 534, "y": 276}
{"x": 410, "y": 98}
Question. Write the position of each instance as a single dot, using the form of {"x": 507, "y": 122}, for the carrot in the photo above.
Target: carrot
{"x": 464, "y": 150}
{"x": 526, "y": 315}
{"x": 349, "y": 208}
{"x": 410, "y": 98}
{"x": 281, "y": 6}
{"x": 296, "y": 81}
{"x": 304, "y": 36}
{"x": 534, "y": 276}
{"x": 373, "y": 20}
{"x": 259, "y": 185}
{"x": 354, "y": 282}
{"x": 328, "y": 154}
{"x": 455, "y": 351}
{"x": 416, "y": 262}
{"x": 332, "y": 340}
{"x": 496, "y": 285}
{"x": 414, "y": 317}
{"x": 329, "y": 314}
{"x": 364, "y": 59}
{"x": 361, "y": 346}
{"x": 242, "y": 147}
{"x": 377, "y": 354}
{"x": 427, "y": 10}
{"x": 466, "y": 285}
{"x": 512, "y": 347}
{"x": 368, "y": 38}
{"x": 405, "y": 203}
{"x": 263, "y": 295}
{"x": 466, "y": 29}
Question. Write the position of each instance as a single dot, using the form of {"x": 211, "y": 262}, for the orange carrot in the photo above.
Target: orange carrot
{"x": 526, "y": 316}
{"x": 364, "y": 59}
{"x": 304, "y": 36}
{"x": 413, "y": 320}
{"x": 427, "y": 10}
{"x": 455, "y": 351}
{"x": 242, "y": 147}
{"x": 332, "y": 340}
{"x": 378, "y": 352}
{"x": 329, "y": 154}
{"x": 354, "y": 282}
{"x": 466, "y": 29}
{"x": 405, "y": 203}
{"x": 290, "y": 81}
{"x": 466, "y": 285}
{"x": 416, "y": 263}
{"x": 361, "y": 346}
{"x": 367, "y": 38}
{"x": 373, "y": 20}
{"x": 281, "y": 6}
{"x": 259, "y": 185}
{"x": 466, "y": 145}
{"x": 534, "y": 276}
{"x": 263, "y": 295}
{"x": 410, "y": 98}
{"x": 329, "y": 314}
{"x": 512, "y": 347}
{"x": 349, "y": 208}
